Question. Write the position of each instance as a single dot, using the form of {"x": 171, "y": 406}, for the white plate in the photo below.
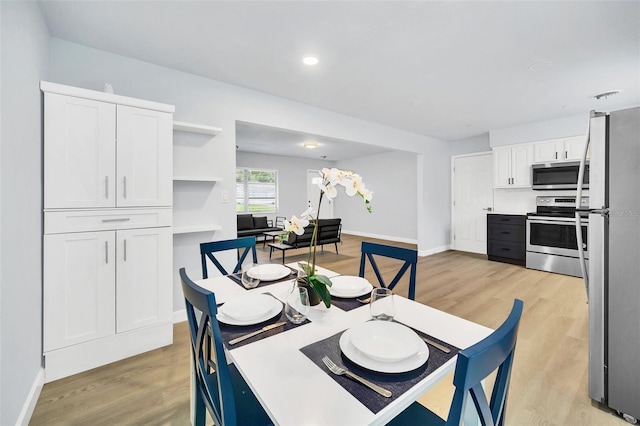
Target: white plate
{"x": 349, "y": 286}
{"x": 407, "y": 364}
{"x": 269, "y": 272}
{"x": 385, "y": 341}
{"x": 249, "y": 309}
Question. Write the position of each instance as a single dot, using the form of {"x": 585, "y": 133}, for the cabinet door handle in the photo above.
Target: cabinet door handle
{"x": 125, "y": 250}
{"x": 121, "y": 219}
{"x": 506, "y": 232}
{"x": 106, "y": 187}
{"x": 505, "y": 249}
{"x": 124, "y": 187}
{"x": 566, "y": 155}
{"x": 556, "y": 155}
{"x": 106, "y": 252}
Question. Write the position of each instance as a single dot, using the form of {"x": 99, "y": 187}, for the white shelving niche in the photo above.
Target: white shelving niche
{"x": 193, "y": 181}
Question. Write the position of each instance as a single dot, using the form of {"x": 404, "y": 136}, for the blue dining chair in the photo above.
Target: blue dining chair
{"x": 474, "y": 364}
{"x": 409, "y": 256}
{"x": 223, "y": 392}
{"x": 207, "y": 250}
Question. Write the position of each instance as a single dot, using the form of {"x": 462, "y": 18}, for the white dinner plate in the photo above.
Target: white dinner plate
{"x": 249, "y": 309}
{"x": 349, "y": 286}
{"x": 385, "y": 341}
{"x": 407, "y": 364}
{"x": 269, "y": 272}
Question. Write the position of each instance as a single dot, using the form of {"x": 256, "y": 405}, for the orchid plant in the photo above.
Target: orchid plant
{"x": 331, "y": 179}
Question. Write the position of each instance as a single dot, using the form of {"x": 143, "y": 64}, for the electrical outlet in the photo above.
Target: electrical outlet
{"x": 224, "y": 197}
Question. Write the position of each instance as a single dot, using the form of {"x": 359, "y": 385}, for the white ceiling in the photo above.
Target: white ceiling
{"x": 444, "y": 69}
{"x": 268, "y": 140}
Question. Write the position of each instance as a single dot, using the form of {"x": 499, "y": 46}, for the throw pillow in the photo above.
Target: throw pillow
{"x": 260, "y": 222}
{"x": 245, "y": 222}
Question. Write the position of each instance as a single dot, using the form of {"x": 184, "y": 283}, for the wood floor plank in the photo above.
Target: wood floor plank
{"x": 549, "y": 381}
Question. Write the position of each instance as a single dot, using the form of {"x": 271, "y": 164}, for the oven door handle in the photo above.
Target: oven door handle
{"x": 557, "y": 220}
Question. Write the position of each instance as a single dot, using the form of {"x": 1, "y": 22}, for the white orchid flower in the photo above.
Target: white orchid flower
{"x": 367, "y": 195}
{"x": 353, "y": 185}
{"x": 307, "y": 214}
{"x": 334, "y": 176}
{"x": 295, "y": 225}
{"x": 330, "y": 191}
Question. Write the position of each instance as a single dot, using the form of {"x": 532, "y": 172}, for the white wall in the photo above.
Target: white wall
{"x": 292, "y": 178}
{"x": 478, "y": 143}
{"x": 210, "y": 102}
{"x": 541, "y": 130}
{"x": 393, "y": 179}
{"x": 25, "y": 60}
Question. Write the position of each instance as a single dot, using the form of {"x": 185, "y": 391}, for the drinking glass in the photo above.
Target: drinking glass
{"x": 381, "y": 306}
{"x": 297, "y": 307}
{"x": 249, "y": 281}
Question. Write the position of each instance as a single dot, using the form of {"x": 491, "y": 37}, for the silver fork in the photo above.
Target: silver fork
{"x": 341, "y": 371}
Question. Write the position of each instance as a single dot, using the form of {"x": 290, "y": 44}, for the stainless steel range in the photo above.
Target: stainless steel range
{"x": 551, "y": 235}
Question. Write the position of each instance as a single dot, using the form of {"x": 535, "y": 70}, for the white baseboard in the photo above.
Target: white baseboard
{"x": 434, "y": 250}
{"x": 421, "y": 253}
{"x": 32, "y": 399}
{"x": 179, "y": 316}
{"x": 380, "y": 237}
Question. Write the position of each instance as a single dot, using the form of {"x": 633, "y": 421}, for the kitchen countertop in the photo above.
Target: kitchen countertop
{"x": 508, "y": 212}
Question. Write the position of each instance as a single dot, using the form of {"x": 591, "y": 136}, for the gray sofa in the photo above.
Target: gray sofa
{"x": 254, "y": 226}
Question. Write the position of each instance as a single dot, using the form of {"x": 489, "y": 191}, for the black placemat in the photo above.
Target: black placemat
{"x": 347, "y": 304}
{"x": 237, "y": 278}
{"x": 230, "y": 332}
{"x": 397, "y": 383}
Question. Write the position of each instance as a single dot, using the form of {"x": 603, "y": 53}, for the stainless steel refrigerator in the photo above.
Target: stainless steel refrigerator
{"x": 612, "y": 273}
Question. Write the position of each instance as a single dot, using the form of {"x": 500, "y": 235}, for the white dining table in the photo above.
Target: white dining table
{"x": 294, "y": 391}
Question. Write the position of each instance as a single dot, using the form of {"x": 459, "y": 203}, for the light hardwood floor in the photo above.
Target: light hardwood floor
{"x": 548, "y": 383}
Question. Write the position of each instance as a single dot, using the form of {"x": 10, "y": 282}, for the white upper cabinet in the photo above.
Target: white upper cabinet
{"x": 79, "y": 152}
{"x": 144, "y": 157}
{"x": 512, "y": 166}
{"x": 556, "y": 150}
{"x": 100, "y": 153}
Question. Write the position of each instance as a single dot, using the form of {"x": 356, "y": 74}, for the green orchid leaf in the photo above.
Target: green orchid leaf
{"x": 320, "y": 286}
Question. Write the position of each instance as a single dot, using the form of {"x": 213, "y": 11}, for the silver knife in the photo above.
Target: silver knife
{"x": 437, "y": 345}
{"x": 255, "y": 333}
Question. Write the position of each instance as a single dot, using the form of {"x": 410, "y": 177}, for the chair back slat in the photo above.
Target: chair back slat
{"x": 218, "y": 396}
{"x": 408, "y": 256}
{"x": 477, "y": 362}
{"x": 207, "y": 251}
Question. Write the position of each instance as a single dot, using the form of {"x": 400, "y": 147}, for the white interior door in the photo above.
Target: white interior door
{"x": 313, "y": 195}
{"x": 472, "y": 193}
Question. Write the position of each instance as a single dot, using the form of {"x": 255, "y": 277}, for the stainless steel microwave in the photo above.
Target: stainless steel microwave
{"x": 562, "y": 175}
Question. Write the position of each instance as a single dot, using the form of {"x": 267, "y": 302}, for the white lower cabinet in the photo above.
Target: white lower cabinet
{"x": 107, "y": 293}
{"x": 144, "y": 263}
{"x": 79, "y": 292}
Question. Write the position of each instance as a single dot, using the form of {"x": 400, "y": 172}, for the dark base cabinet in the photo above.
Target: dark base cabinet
{"x": 506, "y": 238}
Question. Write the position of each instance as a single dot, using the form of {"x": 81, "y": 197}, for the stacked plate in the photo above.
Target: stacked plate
{"x": 249, "y": 309}
{"x": 348, "y": 286}
{"x": 383, "y": 346}
{"x": 269, "y": 272}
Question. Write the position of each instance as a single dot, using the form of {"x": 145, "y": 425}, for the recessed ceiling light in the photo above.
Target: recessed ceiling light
{"x": 605, "y": 95}
{"x": 310, "y": 60}
{"x": 310, "y": 145}
{"x": 539, "y": 65}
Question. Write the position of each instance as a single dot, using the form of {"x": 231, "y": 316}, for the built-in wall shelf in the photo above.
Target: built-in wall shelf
{"x": 197, "y": 178}
{"x": 196, "y": 128}
{"x": 195, "y": 228}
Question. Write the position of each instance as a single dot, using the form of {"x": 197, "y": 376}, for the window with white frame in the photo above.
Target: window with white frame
{"x": 256, "y": 190}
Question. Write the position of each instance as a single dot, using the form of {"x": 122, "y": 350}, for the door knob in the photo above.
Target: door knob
{"x": 488, "y": 209}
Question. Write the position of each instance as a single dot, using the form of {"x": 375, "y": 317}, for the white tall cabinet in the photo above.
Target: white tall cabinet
{"x": 108, "y": 193}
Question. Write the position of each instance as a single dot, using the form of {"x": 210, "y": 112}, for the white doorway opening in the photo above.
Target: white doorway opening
{"x": 313, "y": 196}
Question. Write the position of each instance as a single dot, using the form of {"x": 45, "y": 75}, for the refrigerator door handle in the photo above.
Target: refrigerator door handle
{"x": 583, "y": 262}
